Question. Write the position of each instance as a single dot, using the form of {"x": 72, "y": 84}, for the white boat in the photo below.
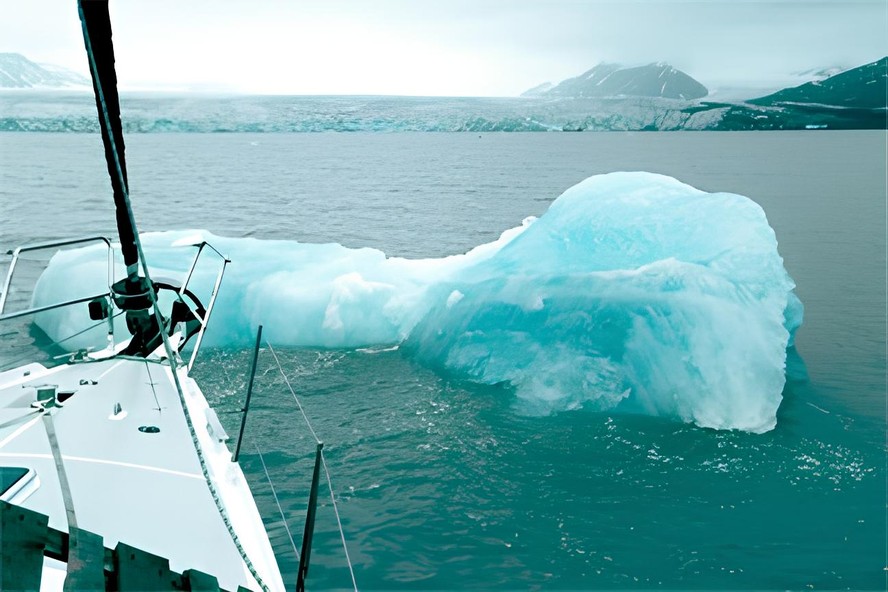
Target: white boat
{"x": 121, "y": 443}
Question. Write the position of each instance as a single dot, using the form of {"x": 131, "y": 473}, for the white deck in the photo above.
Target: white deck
{"x": 146, "y": 489}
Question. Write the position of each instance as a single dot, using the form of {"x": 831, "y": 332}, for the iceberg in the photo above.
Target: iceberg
{"x": 633, "y": 292}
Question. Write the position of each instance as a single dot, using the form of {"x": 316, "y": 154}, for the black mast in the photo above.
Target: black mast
{"x": 133, "y": 294}
{"x": 97, "y": 37}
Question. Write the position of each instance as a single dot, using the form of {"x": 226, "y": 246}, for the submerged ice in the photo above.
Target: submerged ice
{"x": 633, "y": 291}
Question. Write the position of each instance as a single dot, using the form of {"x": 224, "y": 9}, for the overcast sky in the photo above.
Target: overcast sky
{"x": 449, "y": 47}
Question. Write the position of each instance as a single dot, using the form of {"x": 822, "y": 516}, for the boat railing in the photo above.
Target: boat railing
{"x": 202, "y": 315}
{"x": 16, "y": 255}
{"x": 205, "y": 319}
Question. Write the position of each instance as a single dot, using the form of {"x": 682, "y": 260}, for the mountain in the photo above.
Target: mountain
{"x": 539, "y": 90}
{"x": 819, "y": 73}
{"x": 863, "y": 87}
{"x": 612, "y": 80}
{"x": 851, "y": 99}
{"x": 17, "y": 71}
{"x": 799, "y": 108}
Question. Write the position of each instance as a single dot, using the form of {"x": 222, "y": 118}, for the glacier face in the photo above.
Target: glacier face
{"x": 633, "y": 291}
{"x": 161, "y": 113}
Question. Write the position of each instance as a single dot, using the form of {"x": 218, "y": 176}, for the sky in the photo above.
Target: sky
{"x": 449, "y": 47}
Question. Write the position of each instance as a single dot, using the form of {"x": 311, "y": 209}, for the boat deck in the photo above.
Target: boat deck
{"x": 118, "y": 459}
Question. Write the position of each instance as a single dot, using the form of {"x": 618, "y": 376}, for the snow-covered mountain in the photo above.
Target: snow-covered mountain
{"x": 863, "y": 87}
{"x": 818, "y": 73}
{"x": 658, "y": 80}
{"x": 854, "y": 99}
{"x": 17, "y": 71}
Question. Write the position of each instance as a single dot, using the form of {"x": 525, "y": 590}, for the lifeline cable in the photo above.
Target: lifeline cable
{"x": 339, "y": 522}
{"x": 323, "y": 461}
{"x": 276, "y": 500}
{"x": 292, "y": 392}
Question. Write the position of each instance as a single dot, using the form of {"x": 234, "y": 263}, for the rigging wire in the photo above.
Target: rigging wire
{"x": 72, "y": 336}
{"x": 292, "y": 392}
{"x": 102, "y": 322}
{"x": 339, "y": 522}
{"x": 151, "y": 383}
{"x": 323, "y": 462}
{"x": 277, "y": 501}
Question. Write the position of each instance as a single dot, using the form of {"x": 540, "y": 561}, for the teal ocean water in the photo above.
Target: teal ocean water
{"x": 445, "y": 484}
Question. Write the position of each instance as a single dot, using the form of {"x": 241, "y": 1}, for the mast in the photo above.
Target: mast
{"x": 134, "y": 294}
{"x": 97, "y": 36}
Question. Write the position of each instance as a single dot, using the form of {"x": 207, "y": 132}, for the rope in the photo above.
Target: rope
{"x": 220, "y": 506}
{"x": 277, "y": 501}
{"x": 323, "y": 461}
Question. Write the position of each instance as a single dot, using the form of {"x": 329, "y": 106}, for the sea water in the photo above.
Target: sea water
{"x": 443, "y": 483}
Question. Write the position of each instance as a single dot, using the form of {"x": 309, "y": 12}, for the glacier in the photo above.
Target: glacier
{"x": 170, "y": 113}
{"x": 632, "y": 292}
